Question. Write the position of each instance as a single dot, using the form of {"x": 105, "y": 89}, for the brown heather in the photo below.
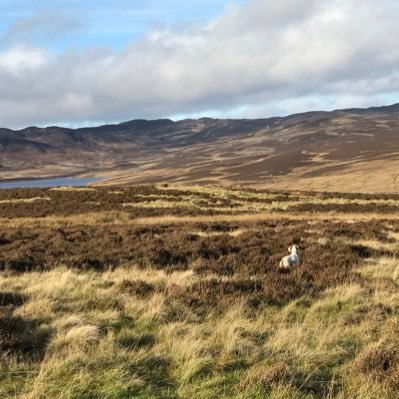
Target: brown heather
{"x": 162, "y": 292}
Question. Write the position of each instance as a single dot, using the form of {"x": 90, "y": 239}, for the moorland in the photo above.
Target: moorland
{"x": 353, "y": 150}
{"x": 173, "y": 292}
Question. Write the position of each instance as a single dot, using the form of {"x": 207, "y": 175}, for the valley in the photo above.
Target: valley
{"x": 355, "y": 150}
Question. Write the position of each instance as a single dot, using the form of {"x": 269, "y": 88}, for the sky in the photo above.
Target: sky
{"x": 78, "y": 63}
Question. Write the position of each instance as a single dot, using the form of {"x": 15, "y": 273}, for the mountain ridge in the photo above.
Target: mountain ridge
{"x": 300, "y": 148}
{"x": 393, "y": 108}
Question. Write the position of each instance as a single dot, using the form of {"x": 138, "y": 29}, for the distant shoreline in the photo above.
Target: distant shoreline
{"x": 48, "y": 182}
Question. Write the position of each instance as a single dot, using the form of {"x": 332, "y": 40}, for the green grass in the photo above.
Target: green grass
{"x": 106, "y": 344}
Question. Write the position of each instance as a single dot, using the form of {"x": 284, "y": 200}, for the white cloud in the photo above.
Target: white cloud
{"x": 19, "y": 60}
{"x": 254, "y": 57}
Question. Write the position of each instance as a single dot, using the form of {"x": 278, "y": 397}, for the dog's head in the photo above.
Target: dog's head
{"x": 293, "y": 248}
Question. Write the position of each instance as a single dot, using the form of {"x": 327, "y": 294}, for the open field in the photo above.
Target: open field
{"x": 173, "y": 292}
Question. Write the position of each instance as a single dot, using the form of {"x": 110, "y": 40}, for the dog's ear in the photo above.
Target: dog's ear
{"x": 289, "y": 248}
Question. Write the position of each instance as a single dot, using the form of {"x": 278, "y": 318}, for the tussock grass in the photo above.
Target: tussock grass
{"x": 382, "y": 268}
{"x": 112, "y": 344}
{"x": 24, "y": 200}
{"x": 389, "y": 247}
{"x": 110, "y": 303}
{"x": 72, "y": 188}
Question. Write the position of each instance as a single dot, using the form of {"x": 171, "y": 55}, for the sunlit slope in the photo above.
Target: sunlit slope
{"x": 350, "y": 150}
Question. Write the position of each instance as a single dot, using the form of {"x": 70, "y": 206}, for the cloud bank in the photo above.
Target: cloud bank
{"x": 256, "y": 59}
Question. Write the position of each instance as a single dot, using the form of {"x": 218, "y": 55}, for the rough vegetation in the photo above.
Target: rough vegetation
{"x": 353, "y": 149}
{"x": 159, "y": 292}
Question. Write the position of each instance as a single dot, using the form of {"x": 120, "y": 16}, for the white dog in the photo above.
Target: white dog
{"x": 290, "y": 260}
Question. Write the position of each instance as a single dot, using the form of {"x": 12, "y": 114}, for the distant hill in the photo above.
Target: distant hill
{"x": 342, "y": 150}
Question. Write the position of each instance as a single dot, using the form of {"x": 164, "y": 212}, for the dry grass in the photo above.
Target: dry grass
{"x": 313, "y": 348}
{"x": 72, "y": 188}
{"x": 24, "y": 200}
{"x": 192, "y": 305}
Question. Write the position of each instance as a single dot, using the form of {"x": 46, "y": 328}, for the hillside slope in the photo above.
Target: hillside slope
{"x": 339, "y": 150}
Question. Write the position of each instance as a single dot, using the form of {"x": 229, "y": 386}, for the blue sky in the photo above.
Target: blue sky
{"x": 87, "y": 62}
{"x": 107, "y": 23}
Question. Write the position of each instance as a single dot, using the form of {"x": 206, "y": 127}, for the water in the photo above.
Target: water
{"x": 44, "y": 183}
